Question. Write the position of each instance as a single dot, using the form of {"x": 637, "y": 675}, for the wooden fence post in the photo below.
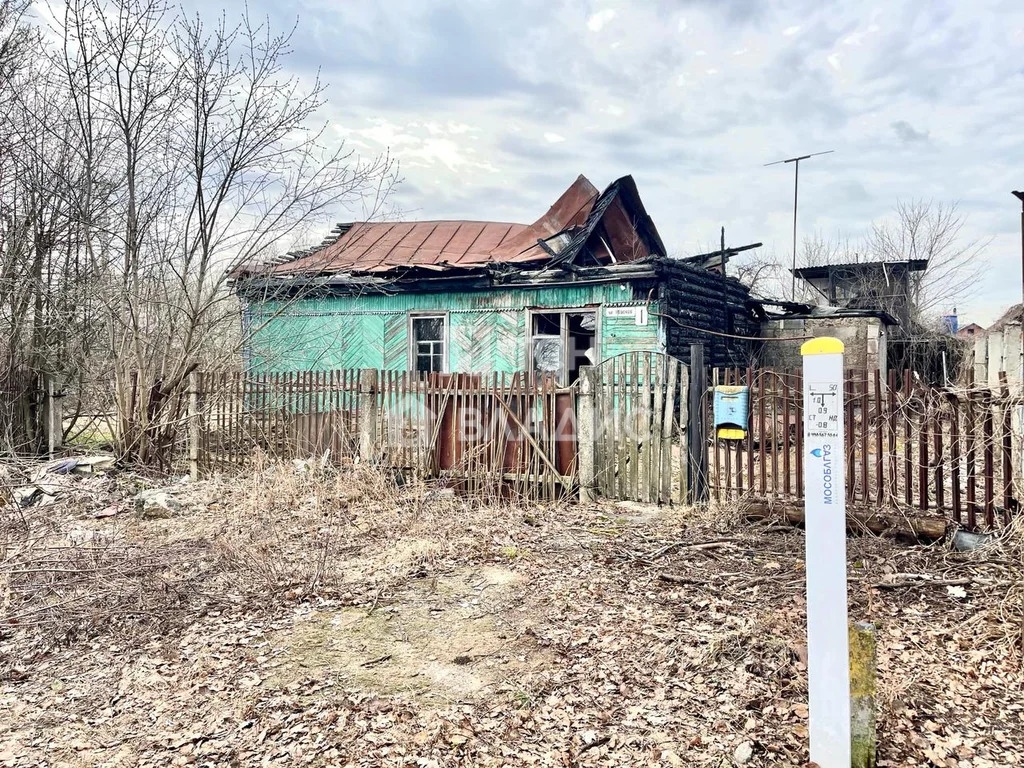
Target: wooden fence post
{"x": 54, "y": 418}
{"x": 368, "y": 409}
{"x": 586, "y": 433}
{"x": 697, "y": 443}
{"x": 684, "y": 433}
{"x": 193, "y": 426}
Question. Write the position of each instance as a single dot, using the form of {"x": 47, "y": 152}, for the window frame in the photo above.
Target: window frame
{"x": 412, "y": 343}
{"x": 563, "y": 375}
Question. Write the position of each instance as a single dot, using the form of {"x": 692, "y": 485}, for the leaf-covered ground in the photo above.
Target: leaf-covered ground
{"x": 311, "y": 618}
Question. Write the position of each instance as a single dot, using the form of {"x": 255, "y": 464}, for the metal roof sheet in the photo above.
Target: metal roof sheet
{"x": 614, "y": 223}
{"x": 381, "y": 246}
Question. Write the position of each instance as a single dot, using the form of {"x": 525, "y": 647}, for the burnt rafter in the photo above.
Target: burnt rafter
{"x": 624, "y": 192}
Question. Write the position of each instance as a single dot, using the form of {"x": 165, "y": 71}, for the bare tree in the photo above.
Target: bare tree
{"x": 932, "y": 231}
{"x": 918, "y": 230}
{"x": 154, "y": 155}
{"x": 758, "y": 271}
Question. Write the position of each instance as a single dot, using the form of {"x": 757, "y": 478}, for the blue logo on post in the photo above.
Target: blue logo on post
{"x": 825, "y": 454}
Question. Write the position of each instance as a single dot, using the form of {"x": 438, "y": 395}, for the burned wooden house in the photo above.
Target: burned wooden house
{"x": 587, "y": 281}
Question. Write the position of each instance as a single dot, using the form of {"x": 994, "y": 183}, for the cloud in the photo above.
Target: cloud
{"x": 529, "y": 149}
{"x": 906, "y": 133}
{"x": 422, "y": 53}
{"x": 599, "y": 20}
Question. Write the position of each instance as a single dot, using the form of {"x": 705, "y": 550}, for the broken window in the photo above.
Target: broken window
{"x": 428, "y": 344}
{"x": 561, "y": 342}
{"x": 581, "y": 336}
{"x": 547, "y": 343}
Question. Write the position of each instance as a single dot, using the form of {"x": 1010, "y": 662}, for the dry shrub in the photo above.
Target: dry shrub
{"x": 305, "y": 528}
{"x": 1010, "y": 610}
{"x": 59, "y": 585}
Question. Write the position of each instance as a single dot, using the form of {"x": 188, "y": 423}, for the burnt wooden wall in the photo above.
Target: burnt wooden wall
{"x": 695, "y": 298}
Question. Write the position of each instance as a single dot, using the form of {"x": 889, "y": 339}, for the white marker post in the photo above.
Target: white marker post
{"x": 828, "y": 644}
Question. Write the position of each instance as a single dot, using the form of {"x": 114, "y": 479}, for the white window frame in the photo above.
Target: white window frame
{"x": 411, "y": 335}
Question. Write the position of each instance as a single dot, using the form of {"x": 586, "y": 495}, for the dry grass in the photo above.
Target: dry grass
{"x": 286, "y": 532}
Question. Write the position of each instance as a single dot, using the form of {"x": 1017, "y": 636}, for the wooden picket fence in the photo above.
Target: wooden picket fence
{"x": 637, "y": 427}
{"x": 505, "y": 433}
{"x": 286, "y": 415}
{"x": 640, "y": 408}
{"x": 909, "y": 446}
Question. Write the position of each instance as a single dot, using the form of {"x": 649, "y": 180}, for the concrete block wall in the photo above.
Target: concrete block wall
{"x": 998, "y": 351}
{"x": 864, "y": 338}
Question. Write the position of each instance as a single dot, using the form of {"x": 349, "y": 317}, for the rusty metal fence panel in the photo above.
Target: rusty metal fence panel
{"x": 510, "y": 435}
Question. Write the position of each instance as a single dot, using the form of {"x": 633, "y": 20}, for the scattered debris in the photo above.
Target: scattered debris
{"x": 916, "y": 580}
{"x": 744, "y": 753}
{"x": 964, "y": 541}
{"x": 156, "y": 503}
{"x": 83, "y": 465}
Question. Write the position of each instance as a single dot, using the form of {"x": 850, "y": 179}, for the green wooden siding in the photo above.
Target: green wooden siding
{"x": 487, "y": 330}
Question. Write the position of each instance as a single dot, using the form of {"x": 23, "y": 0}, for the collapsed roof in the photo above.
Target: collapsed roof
{"x": 582, "y": 228}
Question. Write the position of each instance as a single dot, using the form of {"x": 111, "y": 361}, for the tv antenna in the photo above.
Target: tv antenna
{"x": 796, "y": 191}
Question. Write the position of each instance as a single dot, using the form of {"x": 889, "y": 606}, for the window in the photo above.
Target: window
{"x": 429, "y": 347}
{"x": 562, "y": 341}
{"x": 547, "y": 343}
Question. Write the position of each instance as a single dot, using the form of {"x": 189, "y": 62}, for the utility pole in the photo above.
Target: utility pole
{"x": 1020, "y": 196}
{"x": 796, "y": 192}
{"x": 1018, "y": 427}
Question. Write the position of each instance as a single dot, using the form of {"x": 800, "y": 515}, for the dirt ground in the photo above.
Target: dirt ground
{"x": 296, "y": 616}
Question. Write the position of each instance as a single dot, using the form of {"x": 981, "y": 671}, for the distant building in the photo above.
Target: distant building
{"x": 1012, "y": 316}
{"x": 969, "y": 331}
{"x": 864, "y": 333}
{"x": 995, "y": 353}
{"x": 885, "y": 286}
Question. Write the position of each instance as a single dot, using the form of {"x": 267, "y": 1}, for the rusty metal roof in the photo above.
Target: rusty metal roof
{"x": 382, "y": 246}
{"x": 367, "y": 247}
{"x": 373, "y": 246}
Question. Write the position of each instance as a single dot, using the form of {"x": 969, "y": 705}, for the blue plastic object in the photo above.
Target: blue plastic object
{"x": 732, "y": 412}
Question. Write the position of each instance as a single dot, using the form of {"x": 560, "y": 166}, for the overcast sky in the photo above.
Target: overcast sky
{"x": 493, "y": 108}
